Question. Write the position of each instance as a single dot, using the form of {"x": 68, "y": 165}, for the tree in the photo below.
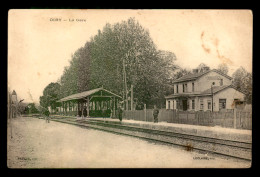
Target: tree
{"x": 223, "y": 68}
{"x": 51, "y": 94}
{"x": 181, "y": 72}
{"x": 203, "y": 67}
{"x": 101, "y": 63}
{"x": 31, "y": 109}
{"x": 242, "y": 80}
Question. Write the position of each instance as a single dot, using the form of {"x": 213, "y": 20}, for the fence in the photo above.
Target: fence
{"x": 228, "y": 118}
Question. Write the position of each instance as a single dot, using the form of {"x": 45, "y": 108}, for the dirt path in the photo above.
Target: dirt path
{"x": 36, "y": 144}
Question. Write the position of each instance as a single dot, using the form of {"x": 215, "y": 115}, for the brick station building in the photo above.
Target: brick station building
{"x": 199, "y": 90}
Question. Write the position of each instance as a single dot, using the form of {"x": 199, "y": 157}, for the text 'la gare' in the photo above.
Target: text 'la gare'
{"x": 69, "y": 19}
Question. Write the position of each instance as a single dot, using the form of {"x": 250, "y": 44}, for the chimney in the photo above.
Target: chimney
{"x": 206, "y": 68}
{"x": 195, "y": 70}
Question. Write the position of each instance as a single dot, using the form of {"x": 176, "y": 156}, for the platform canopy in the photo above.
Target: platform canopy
{"x": 96, "y": 102}
{"x": 85, "y": 94}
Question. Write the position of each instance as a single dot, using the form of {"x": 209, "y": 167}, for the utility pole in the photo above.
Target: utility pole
{"x": 213, "y": 83}
{"x": 132, "y": 97}
{"x": 125, "y": 84}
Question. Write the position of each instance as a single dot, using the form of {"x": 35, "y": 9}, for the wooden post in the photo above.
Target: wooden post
{"x": 224, "y": 118}
{"x": 69, "y": 108}
{"x": 82, "y": 107}
{"x": 114, "y": 107}
{"x": 132, "y": 97}
{"x": 65, "y": 108}
{"x": 145, "y": 118}
{"x": 187, "y": 117}
{"x": 235, "y": 118}
{"x": 62, "y": 108}
{"x": 78, "y": 109}
{"x": 88, "y": 106}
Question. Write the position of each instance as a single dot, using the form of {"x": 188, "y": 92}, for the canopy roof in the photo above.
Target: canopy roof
{"x": 86, "y": 94}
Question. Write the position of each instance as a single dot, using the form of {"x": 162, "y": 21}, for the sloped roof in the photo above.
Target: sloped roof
{"x": 194, "y": 76}
{"x": 215, "y": 89}
{"x": 85, "y": 94}
{"x": 220, "y": 88}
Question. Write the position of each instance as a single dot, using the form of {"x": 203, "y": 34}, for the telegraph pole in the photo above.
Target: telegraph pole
{"x": 125, "y": 84}
{"x": 213, "y": 83}
{"x": 132, "y": 97}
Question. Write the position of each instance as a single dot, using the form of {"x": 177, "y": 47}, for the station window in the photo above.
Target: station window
{"x": 169, "y": 105}
{"x": 192, "y": 86}
{"x": 177, "y": 104}
{"x": 177, "y": 89}
{"x": 201, "y": 104}
{"x": 183, "y": 88}
{"x": 222, "y": 104}
{"x": 193, "y": 104}
{"x": 209, "y": 105}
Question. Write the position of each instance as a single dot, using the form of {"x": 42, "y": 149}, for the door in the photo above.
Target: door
{"x": 184, "y": 104}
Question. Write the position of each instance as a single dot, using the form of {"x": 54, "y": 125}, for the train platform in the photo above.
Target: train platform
{"x": 218, "y": 132}
{"x": 206, "y": 131}
{"x": 37, "y": 144}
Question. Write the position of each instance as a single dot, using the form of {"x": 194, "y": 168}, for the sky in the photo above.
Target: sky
{"x": 39, "y": 47}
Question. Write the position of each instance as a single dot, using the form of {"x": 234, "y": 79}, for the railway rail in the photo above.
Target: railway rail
{"x": 220, "y": 147}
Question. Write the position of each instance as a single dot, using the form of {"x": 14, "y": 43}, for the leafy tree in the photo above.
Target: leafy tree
{"x": 31, "y": 109}
{"x": 242, "y": 80}
{"x": 181, "y": 72}
{"x": 223, "y": 68}
{"x": 51, "y": 94}
{"x": 203, "y": 67}
{"x": 100, "y": 63}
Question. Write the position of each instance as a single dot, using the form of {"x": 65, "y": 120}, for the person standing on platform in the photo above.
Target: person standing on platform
{"x": 85, "y": 112}
{"x": 120, "y": 113}
{"x": 47, "y": 115}
{"x": 155, "y": 114}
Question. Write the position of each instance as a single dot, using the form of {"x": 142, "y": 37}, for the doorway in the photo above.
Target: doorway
{"x": 184, "y": 105}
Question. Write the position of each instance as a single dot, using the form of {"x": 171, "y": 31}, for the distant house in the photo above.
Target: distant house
{"x": 197, "y": 90}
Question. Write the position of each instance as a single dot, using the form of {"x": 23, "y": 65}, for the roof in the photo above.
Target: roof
{"x": 85, "y": 94}
{"x": 14, "y": 93}
{"x": 215, "y": 89}
{"x": 194, "y": 76}
{"x": 219, "y": 88}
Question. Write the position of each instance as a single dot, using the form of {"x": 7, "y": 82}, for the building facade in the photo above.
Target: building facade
{"x": 205, "y": 90}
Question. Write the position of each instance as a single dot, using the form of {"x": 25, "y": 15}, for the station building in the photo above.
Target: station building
{"x": 204, "y": 90}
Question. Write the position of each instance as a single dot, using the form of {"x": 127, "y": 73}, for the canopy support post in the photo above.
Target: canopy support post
{"x": 88, "y": 106}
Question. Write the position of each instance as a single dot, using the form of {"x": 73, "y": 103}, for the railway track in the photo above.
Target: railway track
{"x": 219, "y": 147}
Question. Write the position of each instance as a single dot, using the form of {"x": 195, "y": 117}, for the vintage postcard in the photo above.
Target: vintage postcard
{"x": 129, "y": 88}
